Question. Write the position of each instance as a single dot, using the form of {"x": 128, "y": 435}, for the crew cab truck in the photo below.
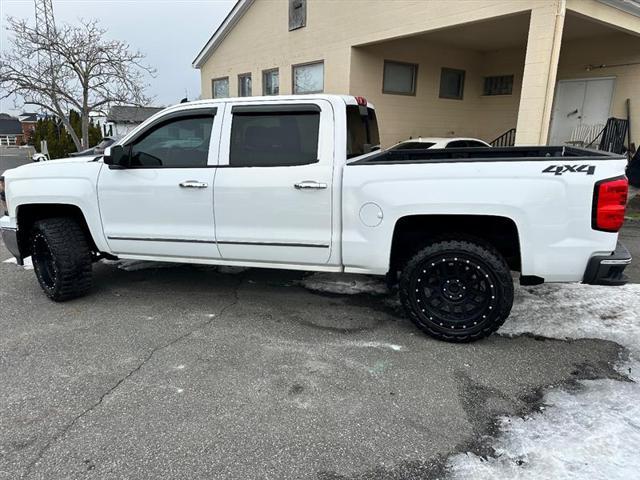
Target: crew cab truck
{"x": 298, "y": 182}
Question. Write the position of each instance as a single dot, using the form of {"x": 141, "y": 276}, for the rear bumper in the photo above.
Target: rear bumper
{"x": 608, "y": 269}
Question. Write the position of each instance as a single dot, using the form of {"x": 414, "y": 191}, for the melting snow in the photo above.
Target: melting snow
{"x": 28, "y": 265}
{"x": 345, "y": 283}
{"x": 594, "y": 433}
{"x": 136, "y": 265}
{"x": 578, "y": 311}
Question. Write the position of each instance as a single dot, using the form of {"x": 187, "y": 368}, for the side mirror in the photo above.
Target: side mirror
{"x": 116, "y": 157}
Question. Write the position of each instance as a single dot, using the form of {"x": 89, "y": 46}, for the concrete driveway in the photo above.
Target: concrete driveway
{"x": 190, "y": 373}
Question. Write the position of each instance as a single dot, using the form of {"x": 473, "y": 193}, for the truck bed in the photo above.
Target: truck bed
{"x": 501, "y": 154}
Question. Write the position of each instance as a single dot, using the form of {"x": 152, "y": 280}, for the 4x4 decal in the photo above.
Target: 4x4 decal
{"x": 560, "y": 169}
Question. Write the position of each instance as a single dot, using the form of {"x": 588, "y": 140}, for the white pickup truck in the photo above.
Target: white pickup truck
{"x": 297, "y": 182}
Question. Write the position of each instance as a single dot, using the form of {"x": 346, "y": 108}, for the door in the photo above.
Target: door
{"x": 273, "y": 188}
{"x": 580, "y": 104}
{"x": 161, "y": 204}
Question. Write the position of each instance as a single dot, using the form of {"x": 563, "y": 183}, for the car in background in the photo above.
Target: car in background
{"x": 40, "y": 157}
{"x": 439, "y": 142}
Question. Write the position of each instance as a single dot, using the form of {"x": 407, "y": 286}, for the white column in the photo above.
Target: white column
{"x": 540, "y": 69}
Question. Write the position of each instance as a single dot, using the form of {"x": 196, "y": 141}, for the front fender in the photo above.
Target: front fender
{"x": 59, "y": 185}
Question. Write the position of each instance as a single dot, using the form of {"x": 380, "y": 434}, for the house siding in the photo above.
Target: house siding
{"x": 353, "y": 39}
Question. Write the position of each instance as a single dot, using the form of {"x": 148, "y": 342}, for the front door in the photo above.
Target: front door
{"x": 273, "y": 188}
{"x": 161, "y": 205}
{"x": 580, "y": 109}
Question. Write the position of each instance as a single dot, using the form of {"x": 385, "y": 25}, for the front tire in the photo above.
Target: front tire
{"x": 61, "y": 258}
{"x": 457, "y": 290}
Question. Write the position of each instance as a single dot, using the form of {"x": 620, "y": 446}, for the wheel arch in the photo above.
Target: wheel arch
{"x": 412, "y": 232}
{"x": 28, "y": 214}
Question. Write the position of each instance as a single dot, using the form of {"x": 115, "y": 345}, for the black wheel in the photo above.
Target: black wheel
{"x": 61, "y": 258}
{"x": 457, "y": 290}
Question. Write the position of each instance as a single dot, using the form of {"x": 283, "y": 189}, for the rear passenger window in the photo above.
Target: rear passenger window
{"x": 362, "y": 131}
{"x": 457, "y": 144}
{"x": 274, "y": 138}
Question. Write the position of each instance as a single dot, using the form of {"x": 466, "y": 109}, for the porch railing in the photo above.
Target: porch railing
{"x": 507, "y": 139}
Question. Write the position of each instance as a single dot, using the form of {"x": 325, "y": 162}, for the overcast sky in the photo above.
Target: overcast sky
{"x": 170, "y": 32}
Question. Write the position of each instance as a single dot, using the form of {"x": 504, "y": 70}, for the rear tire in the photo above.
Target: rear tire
{"x": 61, "y": 258}
{"x": 457, "y": 290}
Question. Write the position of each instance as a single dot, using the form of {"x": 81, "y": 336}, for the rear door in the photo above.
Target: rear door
{"x": 273, "y": 188}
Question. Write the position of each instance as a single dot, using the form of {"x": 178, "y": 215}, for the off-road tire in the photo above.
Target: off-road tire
{"x": 61, "y": 258}
{"x": 457, "y": 290}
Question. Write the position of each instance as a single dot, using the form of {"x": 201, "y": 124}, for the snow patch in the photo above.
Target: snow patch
{"x": 28, "y": 264}
{"x": 594, "y": 433}
{"x": 345, "y": 283}
{"x": 578, "y": 311}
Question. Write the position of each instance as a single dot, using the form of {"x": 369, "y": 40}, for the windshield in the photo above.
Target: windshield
{"x": 362, "y": 131}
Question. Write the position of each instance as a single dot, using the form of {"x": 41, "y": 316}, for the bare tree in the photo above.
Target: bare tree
{"x": 73, "y": 67}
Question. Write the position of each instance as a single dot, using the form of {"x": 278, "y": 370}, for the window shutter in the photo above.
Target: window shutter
{"x": 297, "y": 14}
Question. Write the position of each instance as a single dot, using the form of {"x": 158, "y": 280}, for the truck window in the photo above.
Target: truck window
{"x": 179, "y": 143}
{"x": 274, "y": 139}
{"x": 362, "y": 131}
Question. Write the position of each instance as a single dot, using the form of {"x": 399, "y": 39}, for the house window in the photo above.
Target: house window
{"x": 244, "y": 85}
{"x": 498, "y": 85}
{"x": 399, "y": 78}
{"x": 308, "y": 78}
{"x": 220, "y": 87}
{"x": 270, "y": 82}
{"x": 452, "y": 83}
{"x": 297, "y": 14}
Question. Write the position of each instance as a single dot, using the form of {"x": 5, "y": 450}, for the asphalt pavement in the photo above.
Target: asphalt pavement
{"x": 12, "y": 157}
{"x": 190, "y": 373}
{"x": 630, "y": 237}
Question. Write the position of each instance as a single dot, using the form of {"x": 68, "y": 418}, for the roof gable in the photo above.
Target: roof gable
{"x": 10, "y": 126}
{"x": 131, "y": 114}
{"x": 221, "y": 33}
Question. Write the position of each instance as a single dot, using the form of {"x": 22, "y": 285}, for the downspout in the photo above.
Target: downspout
{"x": 554, "y": 58}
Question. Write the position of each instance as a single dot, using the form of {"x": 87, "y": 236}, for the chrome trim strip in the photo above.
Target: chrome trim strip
{"x": 213, "y": 242}
{"x": 625, "y": 261}
{"x": 276, "y": 244}
{"x": 176, "y": 240}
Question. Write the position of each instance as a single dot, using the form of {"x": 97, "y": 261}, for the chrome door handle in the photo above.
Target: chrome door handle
{"x": 310, "y": 185}
{"x": 193, "y": 184}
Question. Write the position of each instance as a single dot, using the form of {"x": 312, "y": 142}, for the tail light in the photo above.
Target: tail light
{"x": 609, "y": 204}
{"x": 3, "y": 198}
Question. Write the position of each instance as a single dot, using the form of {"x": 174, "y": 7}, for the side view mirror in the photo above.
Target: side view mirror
{"x": 116, "y": 157}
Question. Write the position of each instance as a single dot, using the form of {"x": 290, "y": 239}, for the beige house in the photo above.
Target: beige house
{"x": 553, "y": 70}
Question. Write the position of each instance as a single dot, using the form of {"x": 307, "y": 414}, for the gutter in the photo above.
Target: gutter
{"x": 628, "y": 6}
